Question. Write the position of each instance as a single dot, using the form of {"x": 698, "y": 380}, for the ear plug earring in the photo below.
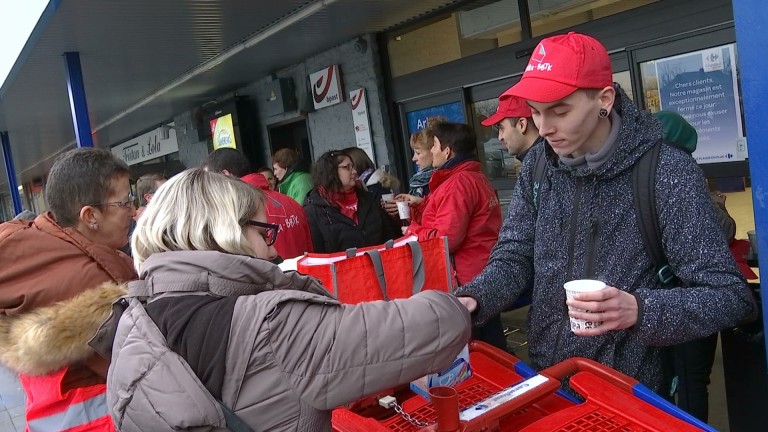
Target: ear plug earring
{"x": 603, "y": 113}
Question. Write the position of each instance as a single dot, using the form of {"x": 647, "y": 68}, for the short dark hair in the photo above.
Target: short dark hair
{"x": 147, "y": 184}
{"x": 78, "y": 178}
{"x": 325, "y": 172}
{"x": 360, "y": 159}
{"x": 228, "y": 159}
{"x": 592, "y": 92}
{"x": 513, "y": 121}
{"x": 263, "y": 169}
{"x": 459, "y": 137}
{"x": 285, "y": 158}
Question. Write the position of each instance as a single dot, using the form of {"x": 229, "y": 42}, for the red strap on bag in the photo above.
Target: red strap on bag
{"x": 396, "y": 270}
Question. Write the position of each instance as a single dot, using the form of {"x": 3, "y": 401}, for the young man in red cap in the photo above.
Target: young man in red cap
{"x": 295, "y": 238}
{"x": 517, "y": 131}
{"x": 583, "y": 225}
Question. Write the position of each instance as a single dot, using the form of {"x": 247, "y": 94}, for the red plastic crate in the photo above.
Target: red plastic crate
{"x": 492, "y": 371}
{"x": 607, "y": 409}
{"x": 610, "y": 406}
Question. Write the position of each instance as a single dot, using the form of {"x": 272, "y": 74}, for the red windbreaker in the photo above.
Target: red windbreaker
{"x": 462, "y": 206}
{"x": 294, "y": 238}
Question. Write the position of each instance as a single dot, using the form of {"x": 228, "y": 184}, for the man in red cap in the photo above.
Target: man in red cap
{"x": 517, "y": 131}
{"x": 579, "y": 222}
{"x": 295, "y": 238}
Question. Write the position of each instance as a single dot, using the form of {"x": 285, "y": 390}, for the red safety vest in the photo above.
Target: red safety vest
{"x": 78, "y": 410}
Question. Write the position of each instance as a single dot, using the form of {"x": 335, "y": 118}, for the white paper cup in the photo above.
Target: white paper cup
{"x": 403, "y": 210}
{"x": 581, "y": 286}
{"x": 387, "y": 197}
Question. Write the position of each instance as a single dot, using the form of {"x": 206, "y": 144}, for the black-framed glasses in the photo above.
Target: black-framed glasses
{"x": 270, "y": 233}
{"x": 127, "y": 203}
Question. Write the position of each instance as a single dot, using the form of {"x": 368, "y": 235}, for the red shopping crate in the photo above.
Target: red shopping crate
{"x": 493, "y": 370}
{"x": 505, "y": 395}
{"x": 613, "y": 402}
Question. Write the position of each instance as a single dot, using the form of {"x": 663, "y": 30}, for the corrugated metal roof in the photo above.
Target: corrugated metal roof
{"x": 138, "y": 57}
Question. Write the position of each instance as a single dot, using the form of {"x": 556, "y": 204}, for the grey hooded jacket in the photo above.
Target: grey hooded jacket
{"x": 587, "y": 228}
{"x": 293, "y": 354}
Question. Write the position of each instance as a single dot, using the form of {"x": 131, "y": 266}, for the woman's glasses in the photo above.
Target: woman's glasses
{"x": 348, "y": 167}
{"x": 269, "y": 233}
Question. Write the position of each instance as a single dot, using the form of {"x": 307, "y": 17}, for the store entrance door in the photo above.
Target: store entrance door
{"x": 292, "y": 135}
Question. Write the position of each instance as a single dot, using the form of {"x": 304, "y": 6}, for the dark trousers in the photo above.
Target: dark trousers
{"x": 491, "y": 333}
{"x": 693, "y": 365}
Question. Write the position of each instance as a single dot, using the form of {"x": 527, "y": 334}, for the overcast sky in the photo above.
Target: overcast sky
{"x": 19, "y": 18}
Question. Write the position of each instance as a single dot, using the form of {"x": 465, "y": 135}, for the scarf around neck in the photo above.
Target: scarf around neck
{"x": 420, "y": 182}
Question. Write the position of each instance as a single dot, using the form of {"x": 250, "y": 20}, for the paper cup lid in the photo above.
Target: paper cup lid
{"x": 584, "y": 285}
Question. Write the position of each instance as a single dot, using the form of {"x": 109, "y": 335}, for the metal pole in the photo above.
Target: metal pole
{"x": 10, "y": 170}
{"x": 77, "y": 101}
{"x": 525, "y": 19}
{"x": 750, "y": 17}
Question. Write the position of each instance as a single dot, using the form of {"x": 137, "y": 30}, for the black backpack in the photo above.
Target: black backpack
{"x": 643, "y": 183}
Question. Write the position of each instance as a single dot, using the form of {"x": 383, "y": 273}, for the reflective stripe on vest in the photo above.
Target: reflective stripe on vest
{"x": 75, "y": 415}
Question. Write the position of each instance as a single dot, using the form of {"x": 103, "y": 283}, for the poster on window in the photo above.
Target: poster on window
{"x": 701, "y": 86}
{"x": 361, "y": 121}
{"x": 417, "y": 120}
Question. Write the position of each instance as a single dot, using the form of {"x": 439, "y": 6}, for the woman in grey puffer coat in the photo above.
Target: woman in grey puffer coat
{"x": 211, "y": 319}
{"x": 586, "y": 228}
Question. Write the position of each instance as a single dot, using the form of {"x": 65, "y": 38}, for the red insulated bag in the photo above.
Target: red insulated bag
{"x": 391, "y": 271}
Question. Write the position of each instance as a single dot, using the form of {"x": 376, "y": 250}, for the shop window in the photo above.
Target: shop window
{"x": 548, "y": 16}
{"x": 624, "y": 79}
{"x": 703, "y": 87}
{"x": 476, "y": 27}
{"x": 501, "y": 168}
{"x": 482, "y": 26}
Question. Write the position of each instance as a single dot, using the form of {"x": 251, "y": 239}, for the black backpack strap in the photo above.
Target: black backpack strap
{"x": 539, "y": 172}
{"x": 234, "y": 423}
{"x": 643, "y": 188}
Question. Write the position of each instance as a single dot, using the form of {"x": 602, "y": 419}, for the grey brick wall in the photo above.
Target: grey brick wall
{"x": 331, "y": 127}
{"x": 328, "y": 128}
{"x": 192, "y": 151}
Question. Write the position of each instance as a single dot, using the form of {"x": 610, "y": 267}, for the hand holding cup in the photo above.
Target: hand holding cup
{"x": 595, "y": 308}
{"x": 389, "y": 204}
{"x": 410, "y": 199}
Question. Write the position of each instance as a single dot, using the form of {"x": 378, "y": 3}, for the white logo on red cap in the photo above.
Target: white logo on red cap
{"x": 538, "y": 57}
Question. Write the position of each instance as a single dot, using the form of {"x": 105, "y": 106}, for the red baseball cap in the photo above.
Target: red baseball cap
{"x": 508, "y": 107}
{"x": 561, "y": 65}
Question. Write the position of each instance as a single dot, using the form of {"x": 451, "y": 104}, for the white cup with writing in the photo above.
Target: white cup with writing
{"x": 387, "y": 197}
{"x": 581, "y": 286}
{"x": 403, "y": 210}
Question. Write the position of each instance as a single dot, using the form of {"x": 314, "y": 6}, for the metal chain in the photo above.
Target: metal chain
{"x": 407, "y": 417}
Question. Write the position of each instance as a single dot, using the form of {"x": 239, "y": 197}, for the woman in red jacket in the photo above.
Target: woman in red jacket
{"x": 462, "y": 206}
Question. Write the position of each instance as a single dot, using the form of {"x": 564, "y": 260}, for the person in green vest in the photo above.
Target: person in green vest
{"x": 292, "y": 174}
